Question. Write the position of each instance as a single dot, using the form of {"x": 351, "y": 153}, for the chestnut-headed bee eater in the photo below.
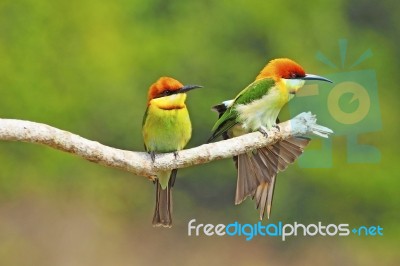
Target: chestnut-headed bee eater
{"x": 256, "y": 108}
{"x": 166, "y": 128}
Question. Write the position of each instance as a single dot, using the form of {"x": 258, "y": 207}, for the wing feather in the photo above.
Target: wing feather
{"x": 252, "y": 92}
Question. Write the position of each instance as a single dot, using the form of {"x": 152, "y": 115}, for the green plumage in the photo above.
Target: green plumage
{"x": 165, "y": 129}
{"x": 254, "y": 91}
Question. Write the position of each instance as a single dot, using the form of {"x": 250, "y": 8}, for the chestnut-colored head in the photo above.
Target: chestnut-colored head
{"x": 166, "y": 86}
{"x": 282, "y": 68}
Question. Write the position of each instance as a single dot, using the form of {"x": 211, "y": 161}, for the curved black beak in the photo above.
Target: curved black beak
{"x": 187, "y": 88}
{"x": 315, "y": 77}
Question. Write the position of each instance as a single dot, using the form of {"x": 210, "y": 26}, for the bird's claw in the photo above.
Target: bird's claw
{"x": 176, "y": 155}
{"x": 277, "y": 127}
{"x": 263, "y": 131}
{"x": 152, "y": 156}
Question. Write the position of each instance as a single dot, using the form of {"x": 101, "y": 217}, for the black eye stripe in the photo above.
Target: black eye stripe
{"x": 294, "y": 75}
{"x": 165, "y": 93}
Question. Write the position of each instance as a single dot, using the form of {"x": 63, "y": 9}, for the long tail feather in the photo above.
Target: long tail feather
{"x": 257, "y": 171}
{"x": 263, "y": 197}
{"x": 163, "y": 210}
{"x": 246, "y": 181}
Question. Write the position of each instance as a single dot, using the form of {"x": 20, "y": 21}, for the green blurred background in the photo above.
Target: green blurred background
{"x": 85, "y": 67}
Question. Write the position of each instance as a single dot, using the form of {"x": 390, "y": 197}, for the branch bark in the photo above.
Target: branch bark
{"x": 140, "y": 163}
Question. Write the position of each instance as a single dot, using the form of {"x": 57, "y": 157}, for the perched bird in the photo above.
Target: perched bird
{"x": 166, "y": 128}
{"x": 256, "y": 108}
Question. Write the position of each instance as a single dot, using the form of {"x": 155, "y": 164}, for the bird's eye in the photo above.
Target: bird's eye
{"x": 167, "y": 92}
{"x": 293, "y": 75}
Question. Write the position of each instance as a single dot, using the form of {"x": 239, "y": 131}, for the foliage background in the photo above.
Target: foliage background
{"x": 85, "y": 66}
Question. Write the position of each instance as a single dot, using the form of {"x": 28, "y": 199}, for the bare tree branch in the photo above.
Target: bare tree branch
{"x": 140, "y": 163}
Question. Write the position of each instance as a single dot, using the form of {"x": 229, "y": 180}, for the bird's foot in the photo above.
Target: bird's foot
{"x": 176, "y": 155}
{"x": 152, "y": 178}
{"x": 264, "y": 131}
{"x": 152, "y": 156}
{"x": 277, "y": 127}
